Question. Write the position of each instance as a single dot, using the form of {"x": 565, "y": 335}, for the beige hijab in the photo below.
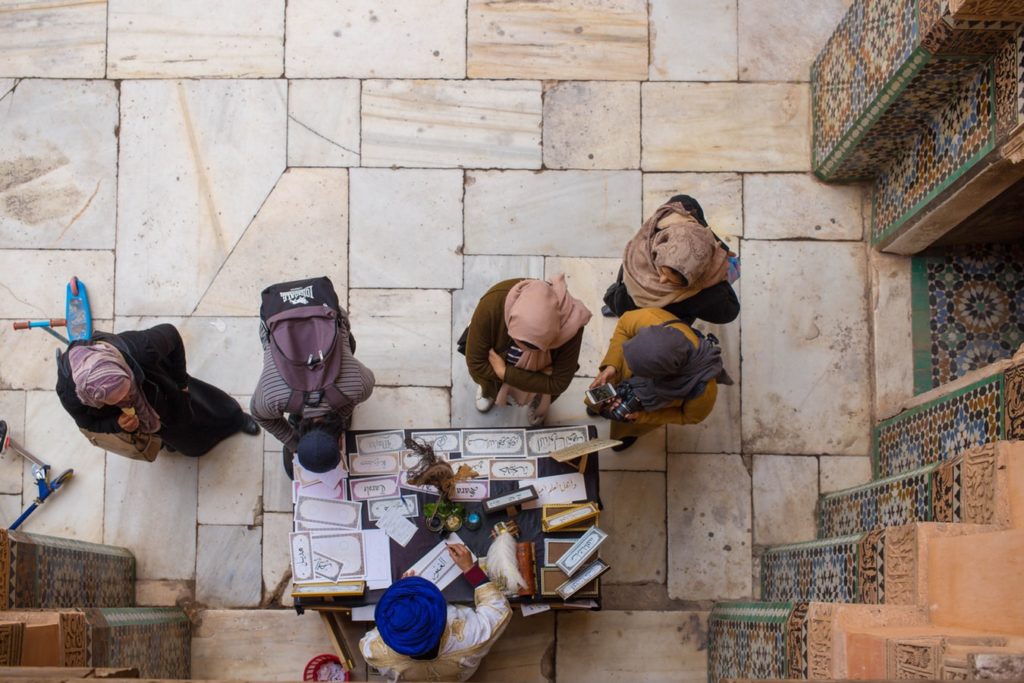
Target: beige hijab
{"x": 547, "y": 316}
{"x": 672, "y": 237}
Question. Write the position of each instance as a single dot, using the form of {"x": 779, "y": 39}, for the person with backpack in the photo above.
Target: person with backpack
{"x": 663, "y": 372}
{"x": 309, "y": 372}
{"x": 523, "y": 344}
{"x": 136, "y": 382}
{"x": 677, "y": 263}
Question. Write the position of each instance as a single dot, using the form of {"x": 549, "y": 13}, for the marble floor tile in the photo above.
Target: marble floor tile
{"x": 785, "y": 496}
{"x": 180, "y": 146}
{"x": 231, "y": 480}
{"x": 12, "y": 411}
{"x": 838, "y": 472}
{"x": 768, "y": 128}
{"x": 404, "y": 335}
{"x": 29, "y": 354}
{"x": 228, "y": 567}
{"x": 445, "y": 124}
{"x": 277, "y": 489}
{"x": 44, "y": 39}
{"x": 364, "y": 39}
{"x": 307, "y": 202}
{"x": 592, "y": 125}
{"x": 266, "y": 645}
{"x": 779, "y": 39}
{"x": 804, "y": 315}
{"x": 151, "y": 509}
{"x": 169, "y": 593}
{"x": 709, "y": 525}
{"x": 76, "y": 510}
{"x": 276, "y": 562}
{"x": 892, "y": 327}
{"x": 225, "y": 352}
{"x": 319, "y": 135}
{"x": 10, "y": 507}
{"x": 634, "y": 517}
{"x": 599, "y": 647}
{"x": 647, "y": 454}
{"x": 587, "y": 279}
{"x": 404, "y": 408}
{"x": 720, "y": 196}
{"x": 536, "y": 208}
{"x": 693, "y": 40}
{"x": 779, "y": 206}
{"x": 58, "y": 162}
{"x": 525, "y": 653}
{"x": 44, "y": 294}
{"x": 192, "y": 38}
{"x": 406, "y": 226}
{"x": 560, "y": 40}
{"x": 570, "y": 408}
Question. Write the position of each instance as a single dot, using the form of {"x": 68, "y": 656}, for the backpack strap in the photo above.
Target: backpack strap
{"x": 335, "y": 397}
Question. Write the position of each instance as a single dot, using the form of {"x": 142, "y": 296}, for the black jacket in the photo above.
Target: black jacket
{"x": 157, "y": 359}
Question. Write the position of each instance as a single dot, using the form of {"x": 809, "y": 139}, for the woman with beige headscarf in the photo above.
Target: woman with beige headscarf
{"x": 523, "y": 344}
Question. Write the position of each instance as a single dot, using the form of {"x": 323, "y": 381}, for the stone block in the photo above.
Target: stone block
{"x": 893, "y": 340}
{"x": 720, "y": 196}
{"x": 592, "y": 125}
{"x": 164, "y": 593}
{"x": 230, "y": 483}
{"x": 525, "y": 652}
{"x": 693, "y": 40}
{"x": 779, "y": 39}
{"x": 587, "y": 279}
{"x": 43, "y": 295}
{"x": 276, "y": 558}
{"x": 798, "y": 206}
{"x": 634, "y": 517}
{"x": 840, "y": 472}
{"x": 648, "y": 453}
{"x": 277, "y": 487}
{"x": 10, "y": 507}
{"x": 228, "y": 568}
{"x": 12, "y": 411}
{"x": 29, "y": 354}
{"x": 404, "y": 408}
{"x": 321, "y": 135}
{"x": 785, "y": 494}
{"x": 43, "y": 39}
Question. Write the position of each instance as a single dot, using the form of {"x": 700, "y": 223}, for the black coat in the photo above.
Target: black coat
{"x": 157, "y": 359}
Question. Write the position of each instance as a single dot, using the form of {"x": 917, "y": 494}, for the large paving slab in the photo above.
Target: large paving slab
{"x": 228, "y": 568}
{"x": 537, "y": 209}
{"x": 779, "y": 206}
{"x": 194, "y": 38}
{"x": 301, "y": 230}
{"x": 365, "y": 39}
{"x": 785, "y": 496}
{"x": 58, "y": 163}
{"x": 321, "y": 135}
{"x": 404, "y": 408}
{"x": 151, "y": 509}
{"x": 804, "y": 318}
{"x": 892, "y": 327}
{"x": 837, "y": 472}
{"x": 587, "y": 279}
{"x": 44, "y": 295}
{"x": 709, "y": 527}
{"x": 767, "y": 129}
{"x": 634, "y": 517}
{"x": 12, "y": 411}
{"x": 525, "y": 653}
{"x": 779, "y": 39}
{"x": 10, "y": 507}
{"x": 558, "y": 40}
{"x": 693, "y": 40}
{"x": 406, "y": 225}
{"x": 592, "y": 125}
{"x": 231, "y": 480}
{"x": 632, "y": 646}
{"x": 720, "y": 196}
{"x": 446, "y": 124}
{"x": 28, "y": 354}
{"x": 213, "y": 150}
{"x": 46, "y": 39}
{"x": 276, "y": 558}
{"x": 277, "y": 487}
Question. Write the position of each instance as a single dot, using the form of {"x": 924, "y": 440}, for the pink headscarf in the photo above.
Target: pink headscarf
{"x": 100, "y": 371}
{"x": 547, "y": 316}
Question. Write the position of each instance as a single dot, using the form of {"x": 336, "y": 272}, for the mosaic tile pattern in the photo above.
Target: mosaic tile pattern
{"x": 940, "y": 429}
{"x": 50, "y": 572}
{"x": 968, "y": 310}
{"x": 899, "y": 499}
{"x": 155, "y": 640}
{"x": 823, "y": 570}
{"x": 748, "y": 640}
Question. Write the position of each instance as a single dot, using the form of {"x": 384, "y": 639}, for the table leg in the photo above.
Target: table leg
{"x": 336, "y": 633}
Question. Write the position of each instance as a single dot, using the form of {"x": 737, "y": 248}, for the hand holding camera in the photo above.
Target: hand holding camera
{"x": 615, "y": 402}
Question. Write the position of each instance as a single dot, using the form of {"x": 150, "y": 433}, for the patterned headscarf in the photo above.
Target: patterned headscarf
{"x": 100, "y": 371}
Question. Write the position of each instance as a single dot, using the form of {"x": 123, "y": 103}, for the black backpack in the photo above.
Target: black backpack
{"x": 304, "y": 323}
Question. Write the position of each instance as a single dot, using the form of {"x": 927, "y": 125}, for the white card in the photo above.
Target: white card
{"x": 530, "y": 609}
{"x": 375, "y": 464}
{"x": 522, "y": 468}
{"x": 345, "y": 548}
{"x": 438, "y": 566}
{"x": 380, "y": 442}
{"x": 494, "y": 442}
{"x": 545, "y": 441}
{"x": 364, "y": 612}
{"x": 302, "y": 557}
{"x": 342, "y": 513}
{"x": 397, "y": 526}
{"x": 442, "y": 442}
{"x": 373, "y": 487}
{"x": 560, "y": 488}
{"x": 472, "y": 489}
{"x": 378, "y": 559}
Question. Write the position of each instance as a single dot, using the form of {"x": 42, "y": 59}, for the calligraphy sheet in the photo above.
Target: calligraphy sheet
{"x": 493, "y": 442}
{"x": 345, "y": 548}
{"x": 380, "y": 442}
{"x": 441, "y": 442}
{"x": 545, "y": 441}
{"x": 378, "y": 559}
{"x": 560, "y": 488}
{"x": 341, "y": 513}
{"x": 397, "y": 527}
{"x": 437, "y": 566}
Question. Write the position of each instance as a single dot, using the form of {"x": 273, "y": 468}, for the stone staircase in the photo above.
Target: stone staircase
{"x": 913, "y": 574}
{"x": 70, "y": 603}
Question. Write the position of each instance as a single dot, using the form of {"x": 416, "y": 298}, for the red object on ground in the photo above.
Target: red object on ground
{"x": 325, "y": 668}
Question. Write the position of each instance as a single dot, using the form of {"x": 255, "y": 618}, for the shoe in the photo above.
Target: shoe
{"x": 627, "y": 441}
{"x": 289, "y": 465}
{"x": 483, "y": 404}
{"x": 249, "y": 425}
{"x": 532, "y": 417}
{"x": 607, "y": 312}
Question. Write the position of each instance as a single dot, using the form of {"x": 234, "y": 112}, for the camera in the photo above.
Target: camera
{"x": 630, "y": 403}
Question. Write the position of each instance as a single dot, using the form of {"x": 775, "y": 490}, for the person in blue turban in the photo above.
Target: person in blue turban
{"x": 420, "y": 637}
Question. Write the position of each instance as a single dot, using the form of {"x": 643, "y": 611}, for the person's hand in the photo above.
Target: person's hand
{"x": 606, "y": 376}
{"x": 128, "y": 423}
{"x": 408, "y": 573}
{"x": 497, "y": 364}
{"x": 463, "y": 558}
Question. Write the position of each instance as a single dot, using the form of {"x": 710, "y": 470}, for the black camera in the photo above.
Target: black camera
{"x": 630, "y": 402}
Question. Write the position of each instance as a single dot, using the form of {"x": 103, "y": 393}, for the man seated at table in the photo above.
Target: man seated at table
{"x": 420, "y": 637}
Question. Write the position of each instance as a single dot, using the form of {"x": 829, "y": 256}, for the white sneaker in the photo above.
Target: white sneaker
{"x": 532, "y": 417}
{"x": 483, "y": 404}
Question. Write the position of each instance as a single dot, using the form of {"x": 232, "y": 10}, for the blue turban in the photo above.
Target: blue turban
{"x": 411, "y": 616}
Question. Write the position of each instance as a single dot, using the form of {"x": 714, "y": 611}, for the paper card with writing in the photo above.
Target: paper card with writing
{"x": 493, "y": 442}
{"x": 345, "y": 548}
{"x": 375, "y": 464}
{"x": 321, "y": 490}
{"x": 582, "y": 550}
{"x": 317, "y": 526}
{"x": 538, "y": 608}
{"x": 442, "y": 442}
{"x": 325, "y": 567}
{"x": 380, "y": 442}
{"x": 302, "y": 557}
{"x": 522, "y": 468}
{"x": 403, "y": 482}
{"x": 560, "y": 488}
{"x": 397, "y": 527}
{"x": 472, "y": 489}
{"x": 374, "y": 487}
{"x": 437, "y": 565}
{"x": 409, "y": 506}
{"x": 377, "y": 546}
{"x": 545, "y": 441}
{"x": 478, "y": 465}
{"x": 343, "y": 513}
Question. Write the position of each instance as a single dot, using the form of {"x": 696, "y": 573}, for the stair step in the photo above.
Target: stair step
{"x": 39, "y": 571}
{"x": 899, "y": 499}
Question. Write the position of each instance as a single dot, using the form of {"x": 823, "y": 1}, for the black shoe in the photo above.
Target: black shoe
{"x": 249, "y": 425}
{"x": 627, "y": 441}
{"x": 289, "y": 467}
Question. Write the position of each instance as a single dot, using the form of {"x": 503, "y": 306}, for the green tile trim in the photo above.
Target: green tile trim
{"x": 994, "y": 378}
{"x": 817, "y": 543}
{"x": 770, "y": 612}
{"x": 921, "y": 318}
{"x": 141, "y": 616}
{"x": 881, "y": 482}
{"x": 72, "y": 544}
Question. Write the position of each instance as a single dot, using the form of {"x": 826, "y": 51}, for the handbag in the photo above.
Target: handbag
{"x": 617, "y": 298}
{"x": 135, "y": 445}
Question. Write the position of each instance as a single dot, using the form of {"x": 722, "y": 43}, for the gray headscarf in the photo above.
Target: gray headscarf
{"x": 667, "y": 367}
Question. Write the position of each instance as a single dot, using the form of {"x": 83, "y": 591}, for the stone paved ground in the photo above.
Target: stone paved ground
{"x": 179, "y": 156}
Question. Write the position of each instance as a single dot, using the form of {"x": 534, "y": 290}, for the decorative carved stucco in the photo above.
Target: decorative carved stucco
{"x": 978, "y": 487}
{"x": 1013, "y": 380}
{"x": 870, "y": 561}
{"x": 913, "y": 658}
{"x": 796, "y": 641}
{"x": 819, "y": 640}
{"x": 73, "y": 637}
{"x": 901, "y": 565}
